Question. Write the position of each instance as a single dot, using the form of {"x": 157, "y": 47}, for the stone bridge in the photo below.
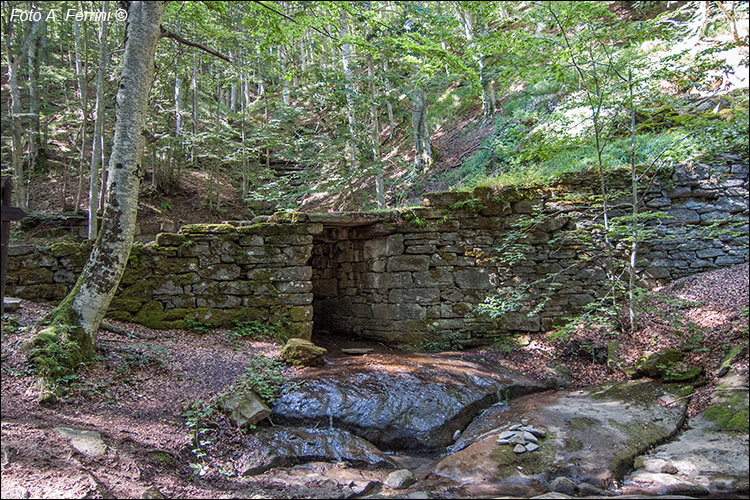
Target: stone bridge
{"x": 411, "y": 274}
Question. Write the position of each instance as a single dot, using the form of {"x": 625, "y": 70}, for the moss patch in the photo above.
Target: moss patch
{"x": 642, "y": 435}
{"x": 731, "y": 415}
{"x": 208, "y": 229}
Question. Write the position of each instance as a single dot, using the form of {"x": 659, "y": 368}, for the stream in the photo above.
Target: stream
{"x": 438, "y": 421}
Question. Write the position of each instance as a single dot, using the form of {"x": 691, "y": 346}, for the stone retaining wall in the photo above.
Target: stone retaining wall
{"x": 418, "y": 273}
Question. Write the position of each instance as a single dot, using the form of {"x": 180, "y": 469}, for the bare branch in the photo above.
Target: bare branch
{"x": 173, "y": 36}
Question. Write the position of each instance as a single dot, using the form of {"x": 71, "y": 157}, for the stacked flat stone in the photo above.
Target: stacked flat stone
{"x": 522, "y": 437}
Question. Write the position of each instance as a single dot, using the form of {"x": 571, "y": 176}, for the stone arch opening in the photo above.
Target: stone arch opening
{"x": 347, "y": 261}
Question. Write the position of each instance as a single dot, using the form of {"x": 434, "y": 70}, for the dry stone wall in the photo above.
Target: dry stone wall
{"x": 208, "y": 274}
{"x": 414, "y": 274}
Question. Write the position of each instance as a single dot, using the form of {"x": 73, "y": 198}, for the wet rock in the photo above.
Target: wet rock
{"x": 245, "y": 409}
{"x": 589, "y": 490}
{"x": 357, "y": 351}
{"x": 90, "y": 443}
{"x": 302, "y": 352}
{"x": 591, "y": 435}
{"x": 407, "y": 401}
{"x": 285, "y": 446}
{"x": 357, "y": 488}
{"x": 400, "y": 479}
{"x": 563, "y": 485}
{"x": 707, "y": 458}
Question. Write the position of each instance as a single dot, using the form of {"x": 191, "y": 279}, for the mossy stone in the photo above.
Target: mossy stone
{"x": 126, "y": 304}
{"x": 151, "y": 315}
{"x": 732, "y": 414}
{"x": 302, "y": 352}
{"x": 658, "y": 364}
{"x": 171, "y": 239}
{"x": 64, "y": 248}
{"x": 208, "y": 229}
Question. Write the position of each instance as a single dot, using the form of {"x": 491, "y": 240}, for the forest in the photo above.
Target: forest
{"x": 408, "y": 249}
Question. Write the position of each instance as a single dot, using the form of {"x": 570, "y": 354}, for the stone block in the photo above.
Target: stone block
{"x": 405, "y": 311}
{"x": 221, "y": 272}
{"x": 294, "y": 286}
{"x": 301, "y": 329}
{"x": 408, "y": 263}
{"x": 300, "y": 273}
{"x": 219, "y": 301}
{"x": 421, "y": 296}
{"x": 473, "y": 279}
{"x": 245, "y": 408}
{"x": 296, "y": 299}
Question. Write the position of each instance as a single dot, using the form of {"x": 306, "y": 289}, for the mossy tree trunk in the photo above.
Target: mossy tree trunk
{"x": 71, "y": 338}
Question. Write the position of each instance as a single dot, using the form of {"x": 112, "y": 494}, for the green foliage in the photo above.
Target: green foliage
{"x": 434, "y": 342}
{"x": 256, "y": 330}
{"x": 195, "y": 325}
{"x": 264, "y": 376}
{"x": 197, "y": 416}
{"x": 414, "y": 219}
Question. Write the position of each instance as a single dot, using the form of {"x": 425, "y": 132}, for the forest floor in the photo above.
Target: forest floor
{"x": 137, "y": 394}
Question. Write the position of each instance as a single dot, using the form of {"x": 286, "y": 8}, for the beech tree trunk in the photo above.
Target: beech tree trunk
{"x": 489, "y": 102}
{"x": 19, "y": 181}
{"x": 37, "y": 30}
{"x": 423, "y": 148}
{"x": 96, "y": 149}
{"x": 375, "y": 137}
{"x": 77, "y": 318}
{"x": 346, "y": 57}
{"x": 82, "y": 73}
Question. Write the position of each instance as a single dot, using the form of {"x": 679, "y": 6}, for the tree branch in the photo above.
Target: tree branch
{"x": 173, "y": 36}
{"x": 295, "y": 21}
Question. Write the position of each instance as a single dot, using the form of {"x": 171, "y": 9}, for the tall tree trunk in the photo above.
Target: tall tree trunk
{"x": 286, "y": 94}
{"x": 388, "y": 103}
{"x": 37, "y": 31}
{"x": 489, "y": 103}
{"x": 375, "y": 137}
{"x": 19, "y": 181}
{"x": 96, "y": 149}
{"x": 634, "y": 185}
{"x": 194, "y": 86}
{"x": 243, "y": 102}
{"x": 77, "y": 318}
{"x": 423, "y": 148}
{"x": 81, "y": 72}
{"x": 346, "y": 56}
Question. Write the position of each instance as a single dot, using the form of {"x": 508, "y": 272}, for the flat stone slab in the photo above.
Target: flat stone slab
{"x": 591, "y": 435}
{"x": 357, "y": 351}
{"x": 89, "y": 443}
{"x": 11, "y": 304}
{"x": 350, "y": 219}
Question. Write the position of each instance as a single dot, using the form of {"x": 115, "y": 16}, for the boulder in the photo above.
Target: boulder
{"x": 709, "y": 458}
{"x": 400, "y": 479}
{"x": 245, "y": 408}
{"x": 398, "y": 401}
{"x": 90, "y": 443}
{"x": 666, "y": 365}
{"x": 302, "y": 352}
{"x": 286, "y": 446}
{"x": 590, "y": 435}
